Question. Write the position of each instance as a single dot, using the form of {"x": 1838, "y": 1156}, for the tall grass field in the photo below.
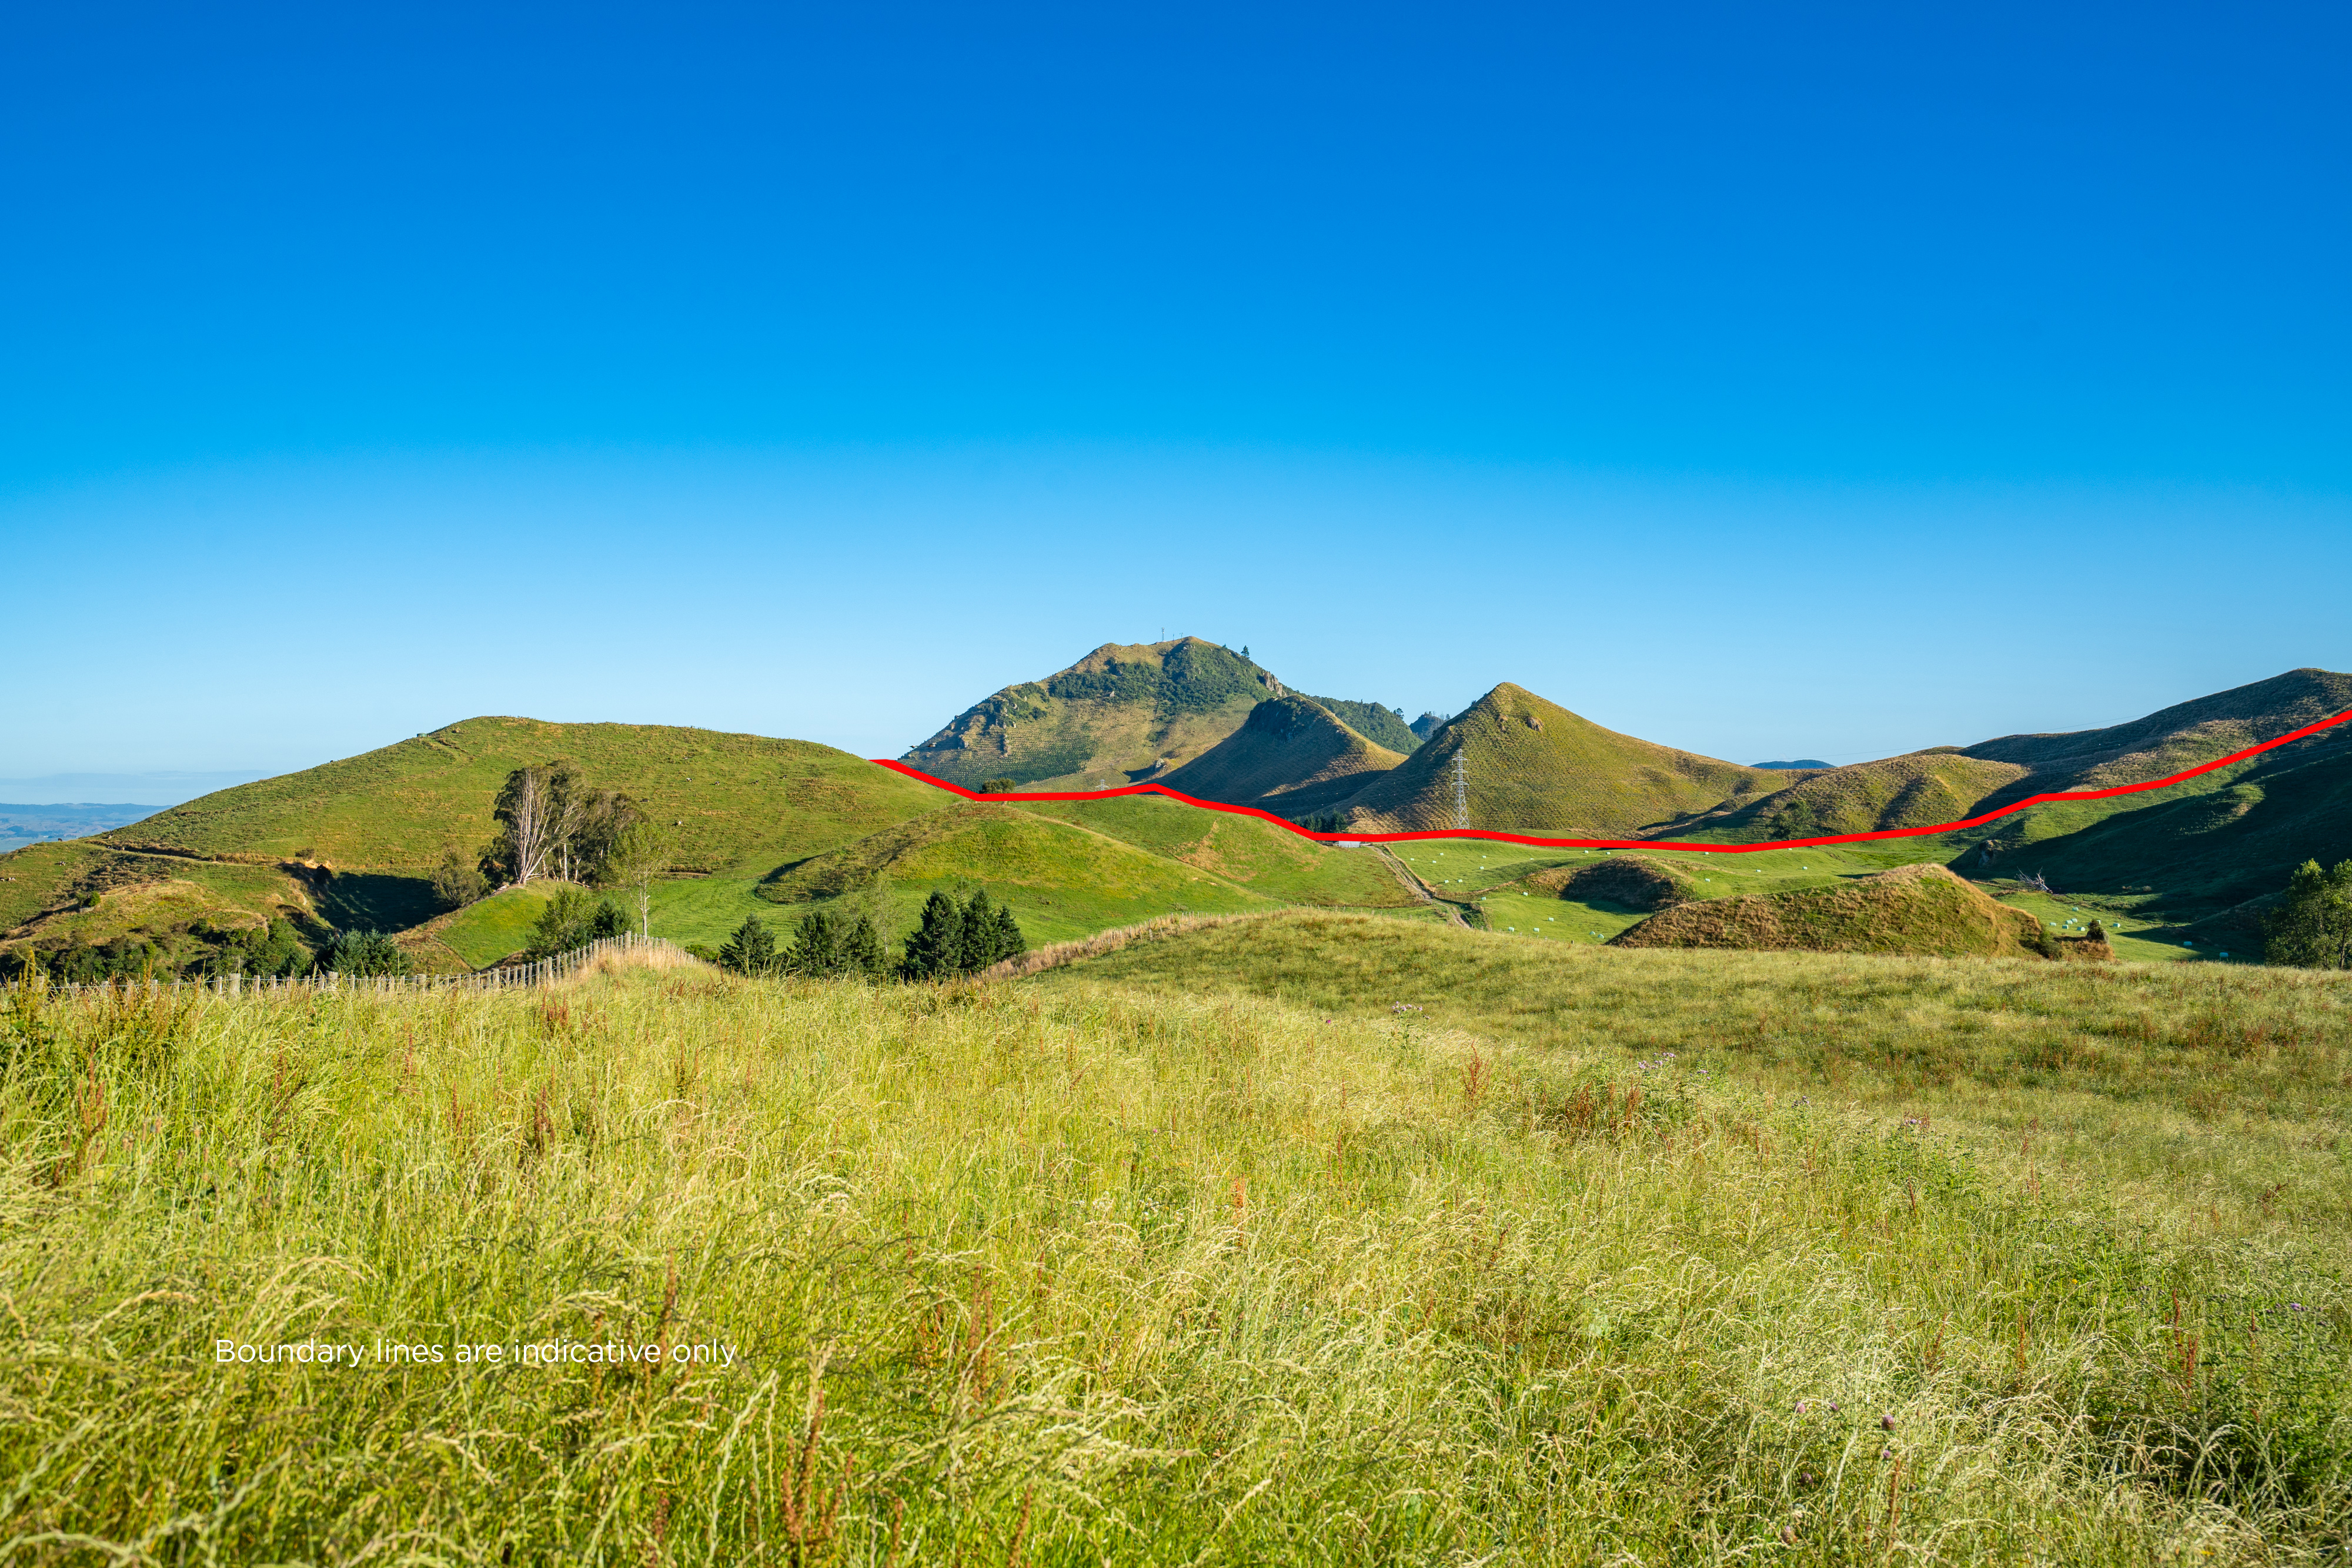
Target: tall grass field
{"x": 1225, "y": 1248}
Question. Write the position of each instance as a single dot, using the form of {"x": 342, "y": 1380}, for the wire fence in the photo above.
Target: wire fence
{"x": 661, "y": 951}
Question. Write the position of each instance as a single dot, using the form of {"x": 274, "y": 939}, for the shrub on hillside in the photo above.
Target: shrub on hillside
{"x": 2311, "y": 926}
{"x": 364, "y": 952}
{"x": 458, "y": 878}
{"x": 573, "y": 918}
{"x": 990, "y": 934}
{"x": 271, "y": 951}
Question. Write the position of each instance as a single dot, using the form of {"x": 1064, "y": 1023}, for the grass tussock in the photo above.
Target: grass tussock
{"x": 1078, "y": 1274}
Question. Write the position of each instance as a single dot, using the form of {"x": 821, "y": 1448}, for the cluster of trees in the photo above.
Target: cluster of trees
{"x": 954, "y": 938}
{"x": 825, "y": 946}
{"x": 961, "y": 938}
{"x": 202, "y": 948}
{"x": 2311, "y": 926}
{"x": 554, "y": 824}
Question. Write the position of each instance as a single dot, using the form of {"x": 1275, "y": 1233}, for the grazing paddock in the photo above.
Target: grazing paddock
{"x": 1196, "y": 1252}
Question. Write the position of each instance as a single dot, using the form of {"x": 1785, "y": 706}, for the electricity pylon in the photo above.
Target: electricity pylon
{"x": 1461, "y": 795}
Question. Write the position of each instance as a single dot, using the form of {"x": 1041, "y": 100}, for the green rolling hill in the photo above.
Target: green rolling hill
{"x": 1073, "y": 868}
{"x": 2210, "y": 859}
{"x": 1921, "y": 789}
{"x": 727, "y": 798}
{"x": 351, "y": 842}
{"x": 1532, "y": 765}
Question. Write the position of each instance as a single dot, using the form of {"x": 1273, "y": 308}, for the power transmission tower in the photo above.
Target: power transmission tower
{"x": 1461, "y": 795}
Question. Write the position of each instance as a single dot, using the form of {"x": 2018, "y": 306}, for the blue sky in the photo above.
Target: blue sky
{"x": 1818, "y": 381}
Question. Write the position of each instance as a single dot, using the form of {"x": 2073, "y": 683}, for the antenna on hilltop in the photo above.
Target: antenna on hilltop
{"x": 1461, "y": 795}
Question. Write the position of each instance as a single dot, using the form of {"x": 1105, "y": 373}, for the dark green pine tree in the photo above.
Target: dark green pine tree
{"x": 750, "y": 951}
{"x": 861, "y": 949}
{"x": 1008, "y": 940}
{"x": 816, "y": 946}
{"x": 935, "y": 951}
{"x": 978, "y": 933}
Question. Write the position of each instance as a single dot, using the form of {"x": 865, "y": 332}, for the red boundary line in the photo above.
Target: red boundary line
{"x": 2288, "y": 739}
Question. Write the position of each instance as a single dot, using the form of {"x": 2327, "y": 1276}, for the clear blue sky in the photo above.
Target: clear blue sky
{"x": 1800, "y": 381}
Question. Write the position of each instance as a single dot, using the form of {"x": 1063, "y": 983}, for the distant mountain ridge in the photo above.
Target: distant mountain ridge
{"x": 1125, "y": 712}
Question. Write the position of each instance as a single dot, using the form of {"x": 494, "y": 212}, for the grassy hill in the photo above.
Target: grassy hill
{"x": 1920, "y": 790}
{"x": 1061, "y": 879}
{"x": 725, "y": 799}
{"x": 1291, "y": 756}
{"x": 1070, "y": 869}
{"x": 1921, "y": 910}
{"x": 1534, "y": 767}
{"x": 349, "y": 843}
{"x": 1258, "y": 855}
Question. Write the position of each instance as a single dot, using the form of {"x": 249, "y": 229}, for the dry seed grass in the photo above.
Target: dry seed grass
{"x": 1077, "y": 1278}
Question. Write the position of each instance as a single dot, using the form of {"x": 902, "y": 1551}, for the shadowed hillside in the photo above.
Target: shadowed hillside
{"x": 1291, "y": 756}
{"x": 1532, "y": 765}
{"x": 1629, "y": 882}
{"x": 1383, "y": 727}
{"x": 2199, "y": 854}
{"x": 1922, "y": 910}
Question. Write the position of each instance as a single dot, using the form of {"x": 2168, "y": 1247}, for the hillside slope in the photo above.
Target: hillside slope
{"x": 1256, "y": 854}
{"x": 1922, "y": 910}
{"x": 350, "y": 843}
{"x": 1383, "y": 727}
{"x": 2196, "y": 854}
{"x": 1291, "y": 756}
{"x": 1920, "y": 790}
{"x": 725, "y": 797}
{"x": 1060, "y": 879}
{"x": 2180, "y": 737}
{"x": 1532, "y": 765}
